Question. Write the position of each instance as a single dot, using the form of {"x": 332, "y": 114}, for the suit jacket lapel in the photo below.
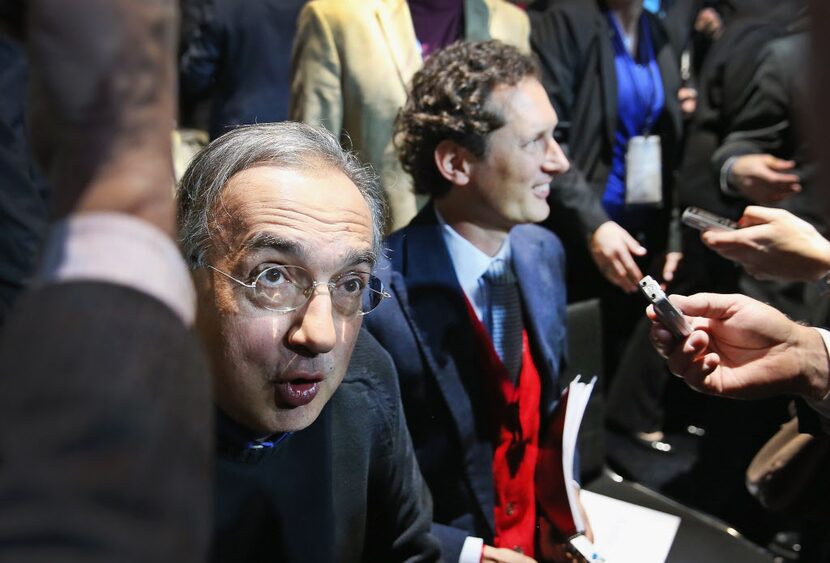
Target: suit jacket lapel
{"x": 667, "y": 62}
{"x": 444, "y": 332}
{"x": 543, "y": 322}
{"x": 476, "y": 20}
{"x": 396, "y": 23}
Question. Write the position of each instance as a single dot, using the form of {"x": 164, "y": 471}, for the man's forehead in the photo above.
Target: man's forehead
{"x": 513, "y": 100}
{"x": 268, "y": 204}
{"x": 302, "y": 249}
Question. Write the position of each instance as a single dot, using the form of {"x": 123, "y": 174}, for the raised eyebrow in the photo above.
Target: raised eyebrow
{"x": 261, "y": 241}
{"x": 270, "y": 241}
{"x": 356, "y": 257}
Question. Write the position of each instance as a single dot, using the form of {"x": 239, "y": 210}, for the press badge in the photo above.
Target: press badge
{"x": 643, "y": 171}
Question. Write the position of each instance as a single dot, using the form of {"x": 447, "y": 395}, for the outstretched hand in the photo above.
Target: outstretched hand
{"x": 742, "y": 348}
{"x": 763, "y": 178}
{"x": 613, "y": 250}
{"x": 773, "y": 243}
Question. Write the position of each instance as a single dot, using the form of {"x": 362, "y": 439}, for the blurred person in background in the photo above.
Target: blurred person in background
{"x": 103, "y": 400}
{"x": 237, "y": 55}
{"x": 612, "y": 76}
{"x": 636, "y": 402}
{"x": 353, "y": 60}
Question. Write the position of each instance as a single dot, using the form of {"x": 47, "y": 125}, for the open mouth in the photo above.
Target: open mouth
{"x": 542, "y": 190}
{"x": 297, "y": 392}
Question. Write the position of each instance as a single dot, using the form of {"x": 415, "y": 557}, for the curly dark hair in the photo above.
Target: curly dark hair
{"x": 448, "y": 101}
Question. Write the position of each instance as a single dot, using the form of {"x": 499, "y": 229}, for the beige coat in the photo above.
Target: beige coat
{"x": 352, "y": 61}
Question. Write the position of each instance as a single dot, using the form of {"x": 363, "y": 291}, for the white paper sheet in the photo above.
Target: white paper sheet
{"x": 625, "y": 532}
{"x": 578, "y": 395}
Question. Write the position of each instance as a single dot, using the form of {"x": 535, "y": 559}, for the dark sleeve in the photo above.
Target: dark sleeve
{"x": 201, "y": 54}
{"x": 452, "y": 541}
{"x": 554, "y": 39}
{"x": 679, "y": 21}
{"x": 399, "y": 500}
{"x": 558, "y": 39}
{"x": 760, "y": 126}
{"x": 24, "y": 198}
{"x": 105, "y": 441}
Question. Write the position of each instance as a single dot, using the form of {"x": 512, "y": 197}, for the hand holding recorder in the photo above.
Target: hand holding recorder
{"x": 742, "y": 348}
{"x": 773, "y": 243}
{"x": 665, "y": 311}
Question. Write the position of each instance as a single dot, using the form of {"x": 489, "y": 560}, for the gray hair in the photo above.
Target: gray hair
{"x": 286, "y": 144}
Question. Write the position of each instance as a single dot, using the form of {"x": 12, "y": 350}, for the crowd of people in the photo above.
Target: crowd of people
{"x": 336, "y": 328}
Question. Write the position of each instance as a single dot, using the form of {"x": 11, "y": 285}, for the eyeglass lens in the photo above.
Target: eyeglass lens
{"x": 285, "y": 288}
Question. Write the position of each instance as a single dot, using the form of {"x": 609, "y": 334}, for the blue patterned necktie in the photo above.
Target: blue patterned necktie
{"x": 505, "y": 315}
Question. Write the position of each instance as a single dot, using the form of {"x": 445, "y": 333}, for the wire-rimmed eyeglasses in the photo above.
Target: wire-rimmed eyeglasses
{"x": 283, "y": 289}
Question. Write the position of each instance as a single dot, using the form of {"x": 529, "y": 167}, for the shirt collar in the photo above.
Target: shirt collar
{"x": 469, "y": 262}
{"x": 235, "y": 441}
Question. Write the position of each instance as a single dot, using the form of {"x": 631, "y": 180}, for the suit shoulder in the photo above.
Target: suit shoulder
{"x": 577, "y": 12}
{"x": 508, "y": 14}
{"x": 509, "y": 23}
{"x": 523, "y": 234}
{"x": 659, "y": 30}
{"x": 566, "y": 28}
{"x": 393, "y": 246}
{"x": 336, "y": 12}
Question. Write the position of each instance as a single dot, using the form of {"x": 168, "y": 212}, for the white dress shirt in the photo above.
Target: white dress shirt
{"x": 470, "y": 263}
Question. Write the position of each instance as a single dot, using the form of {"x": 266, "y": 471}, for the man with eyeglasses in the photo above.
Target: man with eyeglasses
{"x": 314, "y": 461}
{"x": 477, "y": 323}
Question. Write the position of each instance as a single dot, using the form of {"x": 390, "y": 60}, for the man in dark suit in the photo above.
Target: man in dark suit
{"x": 239, "y": 54}
{"x": 477, "y": 324}
{"x": 765, "y": 159}
{"x": 314, "y": 462}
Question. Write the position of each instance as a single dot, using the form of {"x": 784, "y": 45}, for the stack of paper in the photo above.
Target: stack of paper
{"x": 578, "y": 395}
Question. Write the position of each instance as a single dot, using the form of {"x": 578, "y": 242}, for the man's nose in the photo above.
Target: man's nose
{"x": 314, "y": 328}
{"x": 556, "y": 162}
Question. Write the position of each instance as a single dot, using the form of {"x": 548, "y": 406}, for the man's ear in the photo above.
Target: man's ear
{"x": 454, "y": 162}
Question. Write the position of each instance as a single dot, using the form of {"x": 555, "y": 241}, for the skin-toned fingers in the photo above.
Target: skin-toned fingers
{"x": 673, "y": 259}
{"x": 612, "y": 249}
{"x": 778, "y": 164}
{"x": 492, "y": 554}
{"x": 662, "y": 340}
{"x": 631, "y": 274}
{"x": 701, "y": 374}
{"x": 618, "y": 273}
{"x": 758, "y": 214}
{"x": 709, "y": 305}
{"x": 779, "y": 180}
{"x": 683, "y": 358}
{"x": 709, "y": 363}
{"x": 749, "y": 246}
{"x": 633, "y": 246}
{"x": 745, "y": 254}
{"x": 714, "y": 238}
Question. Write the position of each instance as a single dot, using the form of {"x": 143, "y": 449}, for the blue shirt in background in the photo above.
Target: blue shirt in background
{"x": 640, "y": 100}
